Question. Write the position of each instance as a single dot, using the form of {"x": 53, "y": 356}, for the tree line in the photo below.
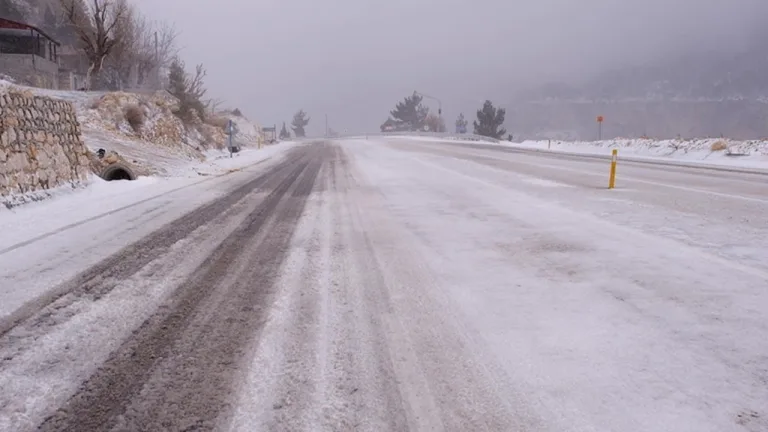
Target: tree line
{"x": 412, "y": 115}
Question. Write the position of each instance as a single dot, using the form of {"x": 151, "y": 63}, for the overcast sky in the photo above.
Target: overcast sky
{"x": 354, "y": 59}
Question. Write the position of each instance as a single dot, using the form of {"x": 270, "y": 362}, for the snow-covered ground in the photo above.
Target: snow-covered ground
{"x": 88, "y": 213}
{"x": 420, "y": 287}
{"x": 728, "y": 153}
{"x": 746, "y": 154}
{"x": 638, "y": 309}
{"x": 460, "y": 139}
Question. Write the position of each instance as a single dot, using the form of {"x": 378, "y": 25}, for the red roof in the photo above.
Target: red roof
{"x": 10, "y": 24}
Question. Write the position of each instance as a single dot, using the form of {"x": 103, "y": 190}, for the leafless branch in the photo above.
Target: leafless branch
{"x": 99, "y": 25}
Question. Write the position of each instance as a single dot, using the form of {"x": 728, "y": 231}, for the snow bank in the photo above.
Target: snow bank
{"x": 714, "y": 151}
{"x": 464, "y": 138}
{"x": 704, "y": 151}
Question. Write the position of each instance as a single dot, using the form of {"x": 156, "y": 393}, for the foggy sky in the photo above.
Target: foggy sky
{"x": 354, "y": 59}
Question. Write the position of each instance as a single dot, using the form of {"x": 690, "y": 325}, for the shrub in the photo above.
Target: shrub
{"x": 134, "y": 115}
{"x": 219, "y": 122}
{"x": 719, "y": 145}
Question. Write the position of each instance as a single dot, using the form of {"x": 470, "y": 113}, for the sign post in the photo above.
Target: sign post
{"x": 231, "y": 131}
{"x": 600, "y": 128}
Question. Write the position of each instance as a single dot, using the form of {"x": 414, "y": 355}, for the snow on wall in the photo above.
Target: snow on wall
{"x": 40, "y": 146}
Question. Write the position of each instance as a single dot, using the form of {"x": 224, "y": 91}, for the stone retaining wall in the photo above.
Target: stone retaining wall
{"x": 40, "y": 145}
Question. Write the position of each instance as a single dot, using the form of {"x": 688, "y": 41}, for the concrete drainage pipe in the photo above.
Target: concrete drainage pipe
{"x": 118, "y": 171}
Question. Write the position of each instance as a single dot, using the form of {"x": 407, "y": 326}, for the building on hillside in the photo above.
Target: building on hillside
{"x": 28, "y": 54}
{"x": 73, "y": 68}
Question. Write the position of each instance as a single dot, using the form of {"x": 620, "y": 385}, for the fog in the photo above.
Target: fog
{"x": 354, "y": 59}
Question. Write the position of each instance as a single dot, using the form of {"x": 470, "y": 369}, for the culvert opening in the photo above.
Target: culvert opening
{"x": 118, "y": 172}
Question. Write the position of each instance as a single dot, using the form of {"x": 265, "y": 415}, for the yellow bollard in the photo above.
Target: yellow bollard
{"x": 614, "y": 159}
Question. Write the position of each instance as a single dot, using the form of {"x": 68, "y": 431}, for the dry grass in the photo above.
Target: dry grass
{"x": 95, "y": 103}
{"x": 219, "y": 122}
{"x": 134, "y": 115}
{"x": 719, "y": 145}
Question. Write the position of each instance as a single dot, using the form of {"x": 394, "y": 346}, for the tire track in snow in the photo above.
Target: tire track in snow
{"x": 118, "y": 210}
{"x": 103, "y": 277}
{"x": 323, "y": 362}
{"x": 177, "y": 369}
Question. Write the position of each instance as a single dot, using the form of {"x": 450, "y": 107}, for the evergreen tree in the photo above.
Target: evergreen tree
{"x": 189, "y": 91}
{"x": 410, "y": 114}
{"x": 489, "y": 121}
{"x": 461, "y": 124}
{"x": 300, "y": 121}
{"x": 284, "y": 134}
{"x": 177, "y": 81}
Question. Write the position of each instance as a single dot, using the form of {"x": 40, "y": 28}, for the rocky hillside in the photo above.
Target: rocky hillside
{"x": 696, "y": 95}
{"x": 144, "y": 131}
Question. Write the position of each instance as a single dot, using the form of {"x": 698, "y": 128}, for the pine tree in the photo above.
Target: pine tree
{"x": 461, "y": 124}
{"x": 410, "y": 114}
{"x": 188, "y": 90}
{"x": 300, "y": 121}
{"x": 177, "y": 80}
{"x": 489, "y": 120}
{"x": 284, "y": 134}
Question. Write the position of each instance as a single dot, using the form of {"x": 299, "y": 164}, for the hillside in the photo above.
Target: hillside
{"x": 699, "y": 94}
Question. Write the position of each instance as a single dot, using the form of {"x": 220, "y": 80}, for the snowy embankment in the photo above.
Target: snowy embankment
{"x": 154, "y": 141}
{"x": 141, "y": 131}
{"x": 442, "y": 137}
{"x": 708, "y": 151}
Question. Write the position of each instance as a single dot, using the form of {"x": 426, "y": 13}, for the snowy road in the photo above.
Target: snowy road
{"x": 392, "y": 286}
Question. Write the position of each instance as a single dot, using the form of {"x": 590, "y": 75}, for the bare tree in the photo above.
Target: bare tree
{"x": 195, "y": 86}
{"x": 157, "y": 47}
{"x": 142, "y": 51}
{"x": 213, "y": 104}
{"x": 435, "y": 123}
{"x": 97, "y": 24}
{"x": 120, "y": 65}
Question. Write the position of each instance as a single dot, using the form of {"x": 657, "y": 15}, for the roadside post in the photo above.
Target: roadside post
{"x": 614, "y": 160}
{"x": 600, "y": 127}
{"x": 229, "y": 137}
{"x": 231, "y": 131}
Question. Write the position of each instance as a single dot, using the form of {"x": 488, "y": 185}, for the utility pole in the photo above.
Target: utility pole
{"x": 158, "y": 81}
{"x": 439, "y": 104}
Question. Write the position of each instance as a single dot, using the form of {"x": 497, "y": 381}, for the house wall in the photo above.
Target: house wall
{"x": 69, "y": 80}
{"x": 30, "y": 70}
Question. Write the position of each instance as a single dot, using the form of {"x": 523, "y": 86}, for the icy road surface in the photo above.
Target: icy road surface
{"x": 392, "y": 286}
